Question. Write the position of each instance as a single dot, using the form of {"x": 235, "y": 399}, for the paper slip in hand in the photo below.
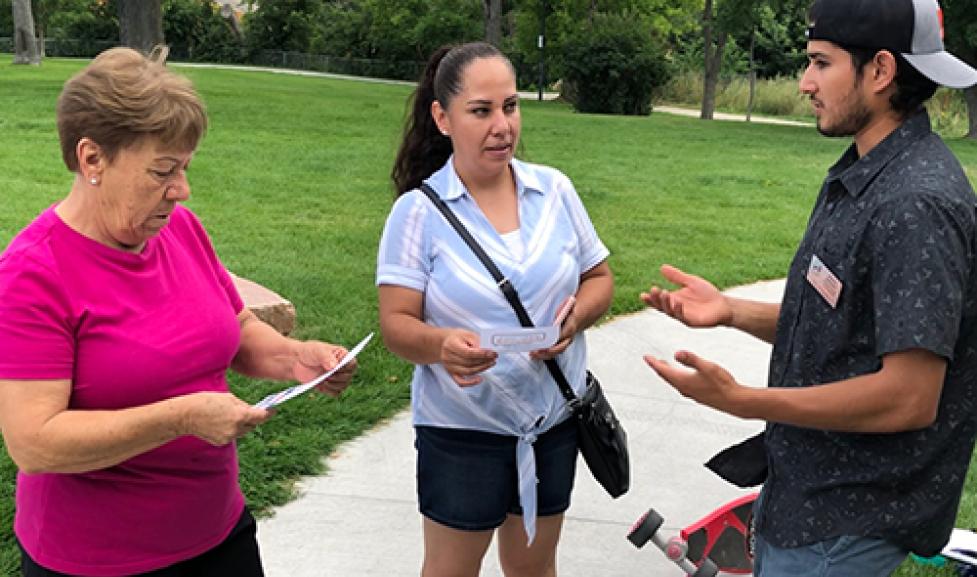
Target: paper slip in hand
{"x": 280, "y": 397}
{"x": 518, "y": 340}
{"x": 526, "y": 339}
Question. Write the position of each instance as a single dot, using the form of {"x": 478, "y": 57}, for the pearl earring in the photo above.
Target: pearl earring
{"x": 94, "y": 180}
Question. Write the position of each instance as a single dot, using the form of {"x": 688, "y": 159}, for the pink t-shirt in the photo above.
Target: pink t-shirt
{"x": 127, "y": 330}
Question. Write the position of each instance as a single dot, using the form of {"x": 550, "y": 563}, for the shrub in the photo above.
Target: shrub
{"x": 195, "y": 31}
{"x": 613, "y": 67}
{"x": 397, "y": 70}
{"x": 85, "y": 31}
{"x": 6, "y": 19}
{"x": 280, "y": 25}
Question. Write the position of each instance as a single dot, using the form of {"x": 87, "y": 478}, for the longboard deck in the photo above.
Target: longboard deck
{"x": 724, "y": 536}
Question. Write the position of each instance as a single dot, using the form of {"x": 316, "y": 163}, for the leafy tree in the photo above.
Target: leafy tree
{"x": 719, "y": 18}
{"x": 662, "y": 19}
{"x": 43, "y": 9}
{"x": 780, "y": 41}
{"x": 89, "y": 25}
{"x": 195, "y": 30}
{"x": 282, "y": 24}
{"x": 688, "y": 55}
{"x": 412, "y": 29}
{"x": 775, "y": 26}
{"x": 396, "y": 30}
{"x": 6, "y": 19}
{"x": 343, "y": 30}
{"x": 613, "y": 67}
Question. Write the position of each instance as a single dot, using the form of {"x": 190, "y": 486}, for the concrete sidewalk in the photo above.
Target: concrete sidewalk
{"x": 733, "y": 117}
{"x": 361, "y": 520}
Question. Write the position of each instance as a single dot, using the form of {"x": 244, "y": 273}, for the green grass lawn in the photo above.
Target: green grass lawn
{"x": 292, "y": 182}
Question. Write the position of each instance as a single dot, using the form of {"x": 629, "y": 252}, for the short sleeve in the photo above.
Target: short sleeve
{"x": 36, "y": 334}
{"x": 404, "y": 255}
{"x": 592, "y": 251}
{"x": 202, "y": 239}
{"x": 920, "y": 270}
{"x": 237, "y": 303}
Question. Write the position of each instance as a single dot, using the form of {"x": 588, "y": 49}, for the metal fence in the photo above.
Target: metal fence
{"x": 396, "y": 70}
{"x": 64, "y": 47}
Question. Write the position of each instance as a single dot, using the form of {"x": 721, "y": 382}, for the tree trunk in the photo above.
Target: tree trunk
{"x": 140, "y": 24}
{"x": 970, "y": 95}
{"x": 713, "y": 54}
{"x": 25, "y": 43}
{"x": 710, "y": 76}
{"x": 493, "y": 22}
{"x": 749, "y": 105}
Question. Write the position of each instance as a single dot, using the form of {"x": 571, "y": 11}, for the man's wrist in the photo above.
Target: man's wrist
{"x": 731, "y": 319}
{"x": 745, "y": 404}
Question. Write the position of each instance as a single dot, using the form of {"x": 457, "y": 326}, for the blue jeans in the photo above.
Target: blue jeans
{"x": 845, "y": 556}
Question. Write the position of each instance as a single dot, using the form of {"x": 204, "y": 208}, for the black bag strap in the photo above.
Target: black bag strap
{"x": 504, "y": 285}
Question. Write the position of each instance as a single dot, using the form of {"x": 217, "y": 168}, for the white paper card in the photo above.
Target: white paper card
{"x": 280, "y": 397}
{"x": 519, "y": 340}
{"x": 526, "y": 339}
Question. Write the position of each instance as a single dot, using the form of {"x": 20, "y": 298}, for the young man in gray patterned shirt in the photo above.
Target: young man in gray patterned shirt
{"x": 872, "y": 386}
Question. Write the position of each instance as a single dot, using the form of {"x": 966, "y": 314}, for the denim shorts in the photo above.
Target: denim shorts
{"x": 468, "y": 480}
{"x": 844, "y": 556}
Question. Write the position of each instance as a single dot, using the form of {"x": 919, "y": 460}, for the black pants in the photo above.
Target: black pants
{"x": 236, "y": 556}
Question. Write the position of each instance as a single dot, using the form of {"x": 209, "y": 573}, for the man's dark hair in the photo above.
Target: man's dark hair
{"x": 912, "y": 88}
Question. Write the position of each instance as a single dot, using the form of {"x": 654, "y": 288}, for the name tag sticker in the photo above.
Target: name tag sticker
{"x": 824, "y": 281}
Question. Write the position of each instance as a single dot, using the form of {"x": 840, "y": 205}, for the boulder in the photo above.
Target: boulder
{"x": 266, "y": 304}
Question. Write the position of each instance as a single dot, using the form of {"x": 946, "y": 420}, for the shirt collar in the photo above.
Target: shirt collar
{"x": 449, "y": 186}
{"x": 527, "y": 180}
{"x": 855, "y": 174}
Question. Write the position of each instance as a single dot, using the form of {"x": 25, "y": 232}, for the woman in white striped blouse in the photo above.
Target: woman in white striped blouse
{"x": 495, "y": 448}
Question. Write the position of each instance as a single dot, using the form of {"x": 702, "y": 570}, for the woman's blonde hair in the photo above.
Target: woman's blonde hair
{"x": 124, "y": 96}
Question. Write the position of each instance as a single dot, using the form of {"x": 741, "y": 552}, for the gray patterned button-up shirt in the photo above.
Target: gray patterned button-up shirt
{"x": 897, "y": 228}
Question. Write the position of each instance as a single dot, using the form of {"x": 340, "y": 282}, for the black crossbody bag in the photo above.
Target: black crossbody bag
{"x": 600, "y": 436}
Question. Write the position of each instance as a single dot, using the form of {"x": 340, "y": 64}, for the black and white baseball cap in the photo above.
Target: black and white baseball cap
{"x": 913, "y": 28}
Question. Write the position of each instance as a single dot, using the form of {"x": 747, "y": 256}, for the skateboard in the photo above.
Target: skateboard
{"x": 962, "y": 548}
{"x": 720, "y": 541}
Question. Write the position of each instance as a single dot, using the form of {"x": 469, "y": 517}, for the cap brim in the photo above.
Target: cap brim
{"x": 944, "y": 69}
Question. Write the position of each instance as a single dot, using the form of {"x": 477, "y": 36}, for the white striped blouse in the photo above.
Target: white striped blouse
{"x": 420, "y": 250}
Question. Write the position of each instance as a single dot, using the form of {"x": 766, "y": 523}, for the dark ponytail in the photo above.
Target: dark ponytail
{"x": 424, "y": 149}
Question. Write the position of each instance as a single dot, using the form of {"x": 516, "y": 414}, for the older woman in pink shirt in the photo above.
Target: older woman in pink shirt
{"x": 117, "y": 325}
